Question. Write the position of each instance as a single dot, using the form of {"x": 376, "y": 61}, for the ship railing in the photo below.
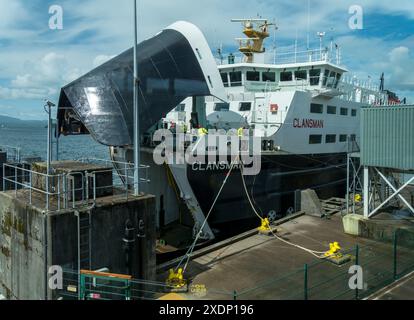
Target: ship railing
{"x": 74, "y": 190}
{"x": 13, "y": 153}
{"x": 122, "y": 174}
{"x": 312, "y": 55}
{"x": 289, "y": 56}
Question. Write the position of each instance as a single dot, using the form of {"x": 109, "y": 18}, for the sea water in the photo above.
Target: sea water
{"x": 32, "y": 140}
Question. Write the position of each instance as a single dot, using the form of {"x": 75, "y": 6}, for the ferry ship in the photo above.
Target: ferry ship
{"x": 302, "y": 105}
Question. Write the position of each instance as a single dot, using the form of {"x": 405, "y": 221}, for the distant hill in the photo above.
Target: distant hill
{"x": 9, "y": 120}
{"x": 6, "y": 120}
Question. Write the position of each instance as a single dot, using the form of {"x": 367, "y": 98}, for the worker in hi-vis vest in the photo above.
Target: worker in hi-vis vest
{"x": 184, "y": 128}
{"x": 202, "y": 132}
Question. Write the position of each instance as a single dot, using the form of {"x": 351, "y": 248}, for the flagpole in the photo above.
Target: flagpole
{"x": 136, "y": 109}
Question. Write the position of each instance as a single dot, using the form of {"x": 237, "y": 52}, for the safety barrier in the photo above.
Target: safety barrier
{"x": 54, "y": 192}
{"x": 90, "y": 285}
{"x": 381, "y": 265}
{"x": 13, "y": 153}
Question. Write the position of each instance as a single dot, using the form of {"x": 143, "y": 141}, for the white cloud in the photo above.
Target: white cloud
{"x": 43, "y": 78}
{"x": 402, "y": 68}
{"x": 37, "y": 62}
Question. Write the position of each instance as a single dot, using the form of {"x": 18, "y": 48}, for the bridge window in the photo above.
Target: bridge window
{"x": 331, "y": 80}
{"x": 314, "y": 75}
{"x": 180, "y": 108}
{"x": 225, "y": 79}
{"x": 330, "y": 138}
{"x": 338, "y": 78}
{"x": 245, "y": 106}
{"x": 343, "y": 138}
{"x": 236, "y": 78}
{"x": 253, "y": 76}
{"x": 286, "y": 76}
{"x": 331, "y": 110}
{"x": 354, "y": 112}
{"x": 325, "y": 77}
{"x": 344, "y": 111}
{"x": 221, "y": 106}
{"x": 301, "y": 75}
{"x": 315, "y": 139}
{"x": 316, "y": 108}
{"x": 269, "y": 76}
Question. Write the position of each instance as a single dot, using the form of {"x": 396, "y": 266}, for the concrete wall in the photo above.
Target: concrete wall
{"x": 23, "y": 243}
{"x": 382, "y": 230}
{"x": 21, "y": 250}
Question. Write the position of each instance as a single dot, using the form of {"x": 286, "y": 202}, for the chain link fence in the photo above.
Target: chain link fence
{"x": 380, "y": 264}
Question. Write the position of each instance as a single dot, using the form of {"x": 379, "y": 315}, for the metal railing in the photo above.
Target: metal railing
{"x": 13, "y": 153}
{"x": 90, "y": 286}
{"x": 77, "y": 189}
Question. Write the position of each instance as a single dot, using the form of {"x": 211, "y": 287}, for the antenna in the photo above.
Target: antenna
{"x": 308, "y": 40}
{"x": 332, "y": 29}
{"x": 220, "y": 53}
{"x": 274, "y": 41}
{"x": 256, "y": 31}
{"x": 321, "y": 35}
{"x": 296, "y": 45}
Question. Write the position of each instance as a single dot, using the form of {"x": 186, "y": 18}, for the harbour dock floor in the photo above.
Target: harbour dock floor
{"x": 263, "y": 267}
{"x": 401, "y": 290}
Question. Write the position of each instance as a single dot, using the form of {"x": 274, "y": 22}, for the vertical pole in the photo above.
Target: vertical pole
{"x": 306, "y": 282}
{"x": 347, "y": 182}
{"x": 30, "y": 187}
{"x": 57, "y": 146}
{"x": 357, "y": 263}
{"x": 366, "y": 192}
{"x": 82, "y": 286}
{"x": 320, "y": 47}
{"x": 49, "y": 139}
{"x": 45, "y": 261}
{"x": 136, "y": 109}
{"x": 4, "y": 178}
{"x": 234, "y": 295}
{"x": 80, "y": 278}
{"x": 308, "y": 27}
{"x": 15, "y": 180}
{"x": 395, "y": 256}
{"x": 90, "y": 239}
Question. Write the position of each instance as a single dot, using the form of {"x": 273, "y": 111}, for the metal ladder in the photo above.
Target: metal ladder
{"x": 84, "y": 240}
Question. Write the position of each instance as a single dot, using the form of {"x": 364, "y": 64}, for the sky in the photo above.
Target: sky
{"x": 36, "y": 61}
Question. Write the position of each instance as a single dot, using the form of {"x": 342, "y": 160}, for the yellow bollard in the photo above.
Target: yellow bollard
{"x": 265, "y": 227}
{"x": 176, "y": 279}
{"x": 334, "y": 250}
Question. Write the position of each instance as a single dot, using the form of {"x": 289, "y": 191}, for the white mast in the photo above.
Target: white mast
{"x": 320, "y": 35}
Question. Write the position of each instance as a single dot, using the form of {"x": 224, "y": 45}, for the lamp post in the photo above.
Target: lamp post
{"x": 48, "y": 108}
{"x": 136, "y": 109}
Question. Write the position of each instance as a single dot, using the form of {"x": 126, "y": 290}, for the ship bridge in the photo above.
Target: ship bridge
{"x": 321, "y": 76}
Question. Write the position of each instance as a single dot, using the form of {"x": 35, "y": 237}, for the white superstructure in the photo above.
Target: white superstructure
{"x": 304, "y": 104}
